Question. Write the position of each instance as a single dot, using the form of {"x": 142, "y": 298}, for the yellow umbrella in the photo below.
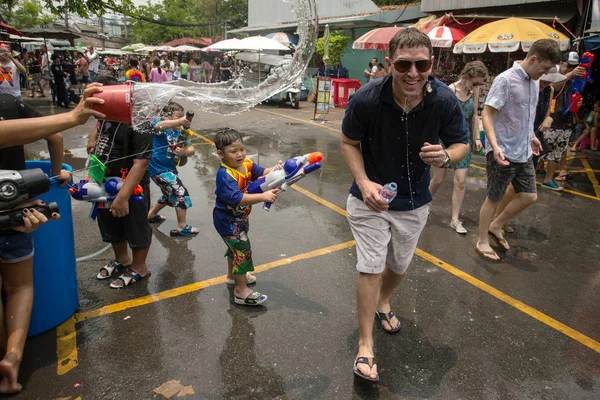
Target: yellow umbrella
{"x": 506, "y": 35}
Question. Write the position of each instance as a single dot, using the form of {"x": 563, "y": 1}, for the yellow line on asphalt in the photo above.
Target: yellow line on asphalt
{"x": 66, "y": 347}
{"x": 337, "y": 130}
{"x": 532, "y": 312}
{"x": 153, "y": 298}
{"x": 591, "y": 176}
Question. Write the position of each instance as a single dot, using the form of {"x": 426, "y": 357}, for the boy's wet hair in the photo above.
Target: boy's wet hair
{"x": 172, "y": 108}
{"x": 226, "y": 137}
{"x": 107, "y": 80}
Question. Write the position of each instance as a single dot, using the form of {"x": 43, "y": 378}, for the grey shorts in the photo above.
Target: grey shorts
{"x": 16, "y": 248}
{"x": 521, "y": 175}
{"x": 388, "y": 238}
{"x": 36, "y": 78}
{"x": 558, "y": 141}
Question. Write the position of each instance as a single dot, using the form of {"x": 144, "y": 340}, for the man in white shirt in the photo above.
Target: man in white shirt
{"x": 46, "y": 61}
{"x": 94, "y": 63}
{"x": 9, "y": 72}
{"x": 508, "y": 119}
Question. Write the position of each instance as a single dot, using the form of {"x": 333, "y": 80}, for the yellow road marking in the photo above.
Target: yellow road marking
{"x": 591, "y": 176}
{"x": 124, "y": 305}
{"x": 532, "y": 312}
{"x": 66, "y": 347}
{"x": 337, "y": 130}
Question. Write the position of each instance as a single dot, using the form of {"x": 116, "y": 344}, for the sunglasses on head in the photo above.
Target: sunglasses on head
{"x": 403, "y": 66}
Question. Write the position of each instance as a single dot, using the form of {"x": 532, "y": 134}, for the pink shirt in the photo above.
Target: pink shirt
{"x": 158, "y": 77}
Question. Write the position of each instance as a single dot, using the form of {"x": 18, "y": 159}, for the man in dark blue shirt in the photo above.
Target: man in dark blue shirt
{"x": 391, "y": 133}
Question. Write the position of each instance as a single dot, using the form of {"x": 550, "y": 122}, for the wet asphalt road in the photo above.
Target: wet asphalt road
{"x": 458, "y": 341}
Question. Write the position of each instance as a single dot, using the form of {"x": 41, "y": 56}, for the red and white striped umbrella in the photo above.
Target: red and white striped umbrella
{"x": 442, "y": 36}
{"x": 376, "y": 39}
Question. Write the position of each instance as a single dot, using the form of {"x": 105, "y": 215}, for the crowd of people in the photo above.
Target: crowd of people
{"x": 523, "y": 118}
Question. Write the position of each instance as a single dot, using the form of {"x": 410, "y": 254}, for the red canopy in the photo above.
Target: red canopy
{"x": 9, "y": 29}
{"x": 202, "y": 42}
{"x": 376, "y": 39}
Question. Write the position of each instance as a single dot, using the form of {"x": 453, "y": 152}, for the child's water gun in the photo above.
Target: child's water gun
{"x": 102, "y": 195}
{"x": 293, "y": 170}
{"x": 579, "y": 83}
{"x": 182, "y": 140}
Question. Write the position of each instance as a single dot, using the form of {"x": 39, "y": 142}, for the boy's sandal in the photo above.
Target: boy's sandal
{"x": 388, "y": 318}
{"x": 250, "y": 279}
{"x": 253, "y": 299}
{"x": 127, "y": 278}
{"x": 370, "y": 361}
{"x": 563, "y": 177}
{"x": 187, "y": 230}
{"x": 157, "y": 218}
{"x": 109, "y": 269}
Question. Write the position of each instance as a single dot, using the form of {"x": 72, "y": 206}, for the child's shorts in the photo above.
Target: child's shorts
{"x": 133, "y": 228}
{"x": 174, "y": 193}
{"x": 240, "y": 251}
{"x": 16, "y": 248}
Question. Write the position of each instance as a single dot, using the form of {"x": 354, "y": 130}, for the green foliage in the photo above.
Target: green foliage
{"x": 189, "y": 12}
{"x": 337, "y": 43}
{"x": 87, "y": 8}
{"x": 25, "y": 14}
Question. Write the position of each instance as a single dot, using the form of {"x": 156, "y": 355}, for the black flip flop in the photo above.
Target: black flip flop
{"x": 388, "y": 318}
{"x": 365, "y": 360}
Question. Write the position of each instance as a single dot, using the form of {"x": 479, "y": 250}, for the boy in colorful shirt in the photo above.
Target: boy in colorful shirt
{"x": 232, "y": 208}
{"x": 168, "y": 145}
{"x": 133, "y": 73}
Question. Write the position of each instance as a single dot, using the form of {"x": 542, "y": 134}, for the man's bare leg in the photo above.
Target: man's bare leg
{"x": 389, "y": 282}
{"x": 367, "y": 294}
{"x": 486, "y": 215}
{"x": 437, "y": 178}
{"x": 139, "y": 261}
{"x": 515, "y": 208}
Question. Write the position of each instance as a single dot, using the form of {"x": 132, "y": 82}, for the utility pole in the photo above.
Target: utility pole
{"x": 102, "y": 35}
{"x": 66, "y": 15}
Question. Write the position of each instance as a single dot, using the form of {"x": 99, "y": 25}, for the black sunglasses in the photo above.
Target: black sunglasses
{"x": 403, "y": 66}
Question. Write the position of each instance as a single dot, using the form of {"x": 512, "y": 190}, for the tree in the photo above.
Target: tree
{"x": 337, "y": 43}
{"x": 87, "y": 8}
{"x": 381, "y": 3}
{"x": 30, "y": 13}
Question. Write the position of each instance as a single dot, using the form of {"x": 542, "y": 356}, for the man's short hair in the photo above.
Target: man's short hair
{"x": 546, "y": 50}
{"x": 134, "y": 63}
{"x": 226, "y": 137}
{"x": 376, "y": 60}
{"x": 107, "y": 80}
{"x": 410, "y": 38}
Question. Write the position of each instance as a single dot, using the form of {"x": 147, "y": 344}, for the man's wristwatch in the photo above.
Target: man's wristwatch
{"x": 447, "y": 160}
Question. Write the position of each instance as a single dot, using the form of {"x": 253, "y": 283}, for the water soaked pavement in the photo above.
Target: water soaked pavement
{"x": 523, "y": 328}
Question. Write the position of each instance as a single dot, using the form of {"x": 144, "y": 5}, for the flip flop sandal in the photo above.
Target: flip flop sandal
{"x": 388, "y": 318}
{"x": 500, "y": 241}
{"x": 562, "y": 178}
{"x": 250, "y": 279}
{"x": 157, "y": 218}
{"x": 371, "y": 363}
{"x": 110, "y": 269}
{"x": 185, "y": 231}
{"x": 128, "y": 277}
{"x": 487, "y": 253}
{"x": 253, "y": 299}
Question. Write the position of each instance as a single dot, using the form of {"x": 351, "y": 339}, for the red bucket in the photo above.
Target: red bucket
{"x": 118, "y": 103}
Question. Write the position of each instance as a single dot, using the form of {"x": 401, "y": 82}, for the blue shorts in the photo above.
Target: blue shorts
{"x": 16, "y": 248}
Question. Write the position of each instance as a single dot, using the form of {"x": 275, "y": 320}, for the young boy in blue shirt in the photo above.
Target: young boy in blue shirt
{"x": 163, "y": 168}
{"x": 232, "y": 208}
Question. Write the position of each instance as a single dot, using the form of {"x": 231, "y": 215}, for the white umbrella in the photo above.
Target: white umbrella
{"x": 262, "y": 43}
{"x": 229, "y": 44}
{"x": 185, "y": 48}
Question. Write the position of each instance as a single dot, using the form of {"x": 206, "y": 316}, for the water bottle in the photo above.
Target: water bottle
{"x": 389, "y": 191}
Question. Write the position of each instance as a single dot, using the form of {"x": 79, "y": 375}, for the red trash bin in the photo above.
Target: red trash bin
{"x": 335, "y": 83}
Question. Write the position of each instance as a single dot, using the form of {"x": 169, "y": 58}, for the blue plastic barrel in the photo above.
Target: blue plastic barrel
{"x": 55, "y": 293}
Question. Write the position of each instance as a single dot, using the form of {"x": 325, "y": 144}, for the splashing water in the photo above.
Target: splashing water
{"x": 412, "y": 200}
{"x": 232, "y": 97}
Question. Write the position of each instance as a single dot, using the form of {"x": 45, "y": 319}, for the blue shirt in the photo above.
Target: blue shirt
{"x": 392, "y": 139}
{"x": 515, "y": 95}
{"x": 159, "y": 162}
{"x": 229, "y": 218}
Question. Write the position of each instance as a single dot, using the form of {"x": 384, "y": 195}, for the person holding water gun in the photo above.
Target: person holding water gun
{"x": 124, "y": 151}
